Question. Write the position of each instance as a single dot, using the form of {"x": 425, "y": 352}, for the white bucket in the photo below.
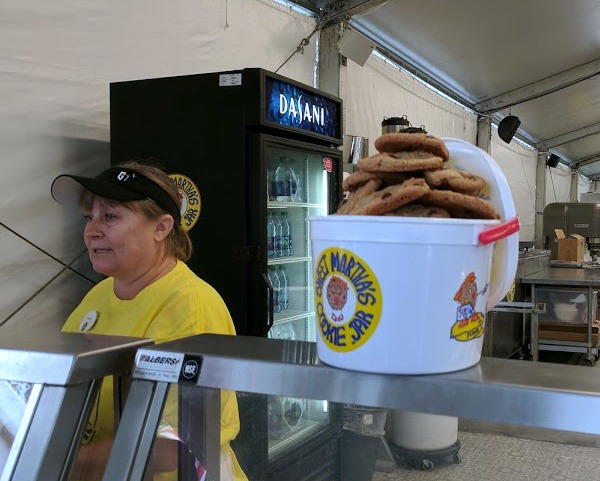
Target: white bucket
{"x": 400, "y": 295}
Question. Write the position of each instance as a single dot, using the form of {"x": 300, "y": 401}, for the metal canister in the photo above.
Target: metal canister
{"x": 394, "y": 124}
{"x": 355, "y": 148}
{"x": 415, "y": 130}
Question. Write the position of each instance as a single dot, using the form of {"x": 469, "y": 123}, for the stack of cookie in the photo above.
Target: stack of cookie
{"x": 409, "y": 177}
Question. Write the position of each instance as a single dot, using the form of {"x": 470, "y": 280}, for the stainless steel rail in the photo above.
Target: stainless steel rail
{"x": 508, "y": 391}
{"x": 65, "y": 372}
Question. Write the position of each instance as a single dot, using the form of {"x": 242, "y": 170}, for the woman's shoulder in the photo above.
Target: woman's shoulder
{"x": 184, "y": 278}
{"x": 182, "y": 286}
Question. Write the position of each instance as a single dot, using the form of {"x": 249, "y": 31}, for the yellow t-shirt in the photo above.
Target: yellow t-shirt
{"x": 177, "y": 305}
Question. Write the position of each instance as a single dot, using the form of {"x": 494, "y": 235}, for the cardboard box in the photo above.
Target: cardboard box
{"x": 570, "y": 249}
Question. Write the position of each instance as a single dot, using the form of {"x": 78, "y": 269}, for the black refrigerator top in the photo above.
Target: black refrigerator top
{"x": 269, "y": 103}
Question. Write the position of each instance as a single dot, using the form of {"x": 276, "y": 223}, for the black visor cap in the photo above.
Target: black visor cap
{"x": 116, "y": 183}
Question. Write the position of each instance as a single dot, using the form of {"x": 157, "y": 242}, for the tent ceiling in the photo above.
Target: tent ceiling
{"x": 538, "y": 60}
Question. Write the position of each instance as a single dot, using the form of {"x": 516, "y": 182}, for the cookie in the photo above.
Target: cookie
{"x": 356, "y": 179}
{"x": 391, "y": 178}
{"x": 460, "y": 205}
{"x": 386, "y": 200}
{"x": 347, "y": 205}
{"x": 420, "y": 210}
{"x": 454, "y": 179}
{"x": 406, "y": 142}
{"x": 400, "y": 162}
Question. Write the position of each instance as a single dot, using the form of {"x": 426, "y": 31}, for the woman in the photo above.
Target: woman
{"x": 134, "y": 237}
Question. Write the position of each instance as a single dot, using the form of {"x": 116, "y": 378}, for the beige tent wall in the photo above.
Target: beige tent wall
{"x": 57, "y": 60}
{"x": 518, "y": 163}
{"x": 584, "y": 185}
{"x": 379, "y": 89}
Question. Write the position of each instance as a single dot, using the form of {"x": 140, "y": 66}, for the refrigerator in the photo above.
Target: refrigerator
{"x": 253, "y": 154}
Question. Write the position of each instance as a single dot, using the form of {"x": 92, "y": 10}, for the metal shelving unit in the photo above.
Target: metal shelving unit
{"x": 586, "y": 279}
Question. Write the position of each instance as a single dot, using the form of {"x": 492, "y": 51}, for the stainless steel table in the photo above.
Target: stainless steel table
{"x": 570, "y": 277}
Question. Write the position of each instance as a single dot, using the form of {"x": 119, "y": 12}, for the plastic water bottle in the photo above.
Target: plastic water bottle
{"x": 287, "y": 234}
{"x": 274, "y": 279}
{"x": 271, "y": 190}
{"x": 282, "y": 180}
{"x": 295, "y": 183}
{"x": 279, "y": 237}
{"x": 270, "y": 236}
{"x": 284, "y": 292}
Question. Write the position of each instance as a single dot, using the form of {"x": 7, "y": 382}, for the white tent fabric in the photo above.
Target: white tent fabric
{"x": 518, "y": 163}
{"x": 56, "y": 62}
{"x": 380, "y": 90}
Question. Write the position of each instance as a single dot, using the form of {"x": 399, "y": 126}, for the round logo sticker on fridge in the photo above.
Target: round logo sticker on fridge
{"x": 190, "y": 200}
{"x": 348, "y": 299}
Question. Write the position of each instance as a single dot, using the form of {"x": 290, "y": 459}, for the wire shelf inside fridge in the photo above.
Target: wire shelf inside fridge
{"x": 288, "y": 260}
{"x": 287, "y": 205}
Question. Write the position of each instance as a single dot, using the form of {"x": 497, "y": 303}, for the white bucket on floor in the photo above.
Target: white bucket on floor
{"x": 423, "y": 432}
{"x": 401, "y": 295}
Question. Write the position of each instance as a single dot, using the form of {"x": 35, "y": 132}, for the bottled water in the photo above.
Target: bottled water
{"x": 271, "y": 191}
{"x": 270, "y": 236}
{"x": 283, "y": 180}
{"x": 295, "y": 183}
{"x": 274, "y": 279}
{"x": 287, "y": 234}
{"x": 279, "y": 237}
{"x": 284, "y": 293}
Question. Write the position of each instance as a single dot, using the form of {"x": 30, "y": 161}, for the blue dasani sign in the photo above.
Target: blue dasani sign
{"x": 292, "y": 106}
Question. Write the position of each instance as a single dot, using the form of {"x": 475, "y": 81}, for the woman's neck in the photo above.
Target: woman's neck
{"x": 127, "y": 289}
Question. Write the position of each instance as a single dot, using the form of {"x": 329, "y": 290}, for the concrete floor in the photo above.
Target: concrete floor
{"x": 499, "y": 452}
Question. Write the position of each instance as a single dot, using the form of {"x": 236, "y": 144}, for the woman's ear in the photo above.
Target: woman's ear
{"x": 164, "y": 226}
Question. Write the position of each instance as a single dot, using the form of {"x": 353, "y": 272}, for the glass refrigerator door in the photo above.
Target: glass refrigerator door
{"x": 298, "y": 184}
{"x": 298, "y": 187}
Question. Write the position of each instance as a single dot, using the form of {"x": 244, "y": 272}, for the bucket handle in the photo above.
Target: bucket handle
{"x": 500, "y": 231}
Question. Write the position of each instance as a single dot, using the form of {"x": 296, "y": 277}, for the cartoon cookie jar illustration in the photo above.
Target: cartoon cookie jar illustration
{"x": 469, "y": 323}
{"x": 337, "y": 295}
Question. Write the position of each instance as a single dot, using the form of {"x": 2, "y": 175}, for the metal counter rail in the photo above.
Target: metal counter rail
{"x": 560, "y": 397}
{"x": 64, "y": 371}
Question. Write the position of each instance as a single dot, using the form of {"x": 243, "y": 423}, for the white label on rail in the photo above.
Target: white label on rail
{"x": 159, "y": 366}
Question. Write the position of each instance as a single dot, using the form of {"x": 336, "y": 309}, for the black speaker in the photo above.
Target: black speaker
{"x": 508, "y": 127}
{"x": 552, "y": 161}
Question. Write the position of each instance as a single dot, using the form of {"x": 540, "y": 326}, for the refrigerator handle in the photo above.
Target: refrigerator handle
{"x": 271, "y": 289}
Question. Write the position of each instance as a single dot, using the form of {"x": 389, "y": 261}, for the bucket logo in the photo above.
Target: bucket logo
{"x": 469, "y": 322}
{"x": 348, "y": 299}
{"x": 190, "y": 200}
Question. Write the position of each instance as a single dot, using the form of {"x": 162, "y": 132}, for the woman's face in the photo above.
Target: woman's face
{"x": 121, "y": 242}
